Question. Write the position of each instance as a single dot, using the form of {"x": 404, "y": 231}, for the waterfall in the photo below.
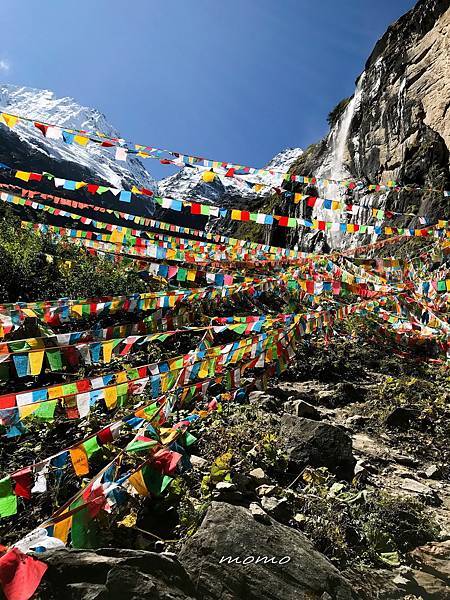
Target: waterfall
{"x": 333, "y": 166}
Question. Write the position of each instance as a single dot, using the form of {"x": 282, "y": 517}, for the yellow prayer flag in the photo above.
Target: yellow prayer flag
{"x": 117, "y": 236}
{"x": 55, "y": 392}
{"x": 23, "y": 175}
{"x": 208, "y": 176}
{"x": 77, "y": 309}
{"x": 107, "y": 350}
{"x": 236, "y": 215}
{"x": 191, "y": 275}
{"x": 137, "y": 481}
{"x": 36, "y": 359}
{"x": 203, "y": 370}
{"x": 62, "y": 528}
{"x": 10, "y": 120}
{"x": 28, "y": 409}
{"x": 81, "y": 140}
{"x": 79, "y": 460}
{"x": 111, "y": 397}
{"x": 168, "y": 435}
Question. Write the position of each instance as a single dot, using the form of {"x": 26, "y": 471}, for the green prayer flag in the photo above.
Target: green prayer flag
{"x": 189, "y": 439}
{"x": 91, "y": 446}
{"x": 69, "y": 389}
{"x": 84, "y": 531}
{"x": 156, "y": 482}
{"x": 8, "y": 499}
{"x": 54, "y": 358}
{"x": 182, "y": 274}
{"x": 46, "y": 410}
{"x": 122, "y": 394}
{"x": 140, "y": 445}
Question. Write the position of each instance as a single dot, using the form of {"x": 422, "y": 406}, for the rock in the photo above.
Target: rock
{"x": 317, "y": 444}
{"x": 427, "y": 494}
{"x": 198, "y": 462}
{"x": 258, "y": 513}
{"x": 227, "y": 492}
{"x": 356, "y": 421}
{"x": 433, "y": 472}
{"x": 400, "y": 417}
{"x": 87, "y": 591}
{"x": 360, "y": 470}
{"x": 278, "y": 508}
{"x": 231, "y": 531}
{"x": 300, "y": 408}
{"x": 342, "y": 394}
{"x": 115, "y": 574}
{"x": 258, "y": 476}
{"x": 266, "y": 490}
{"x": 434, "y": 557}
{"x": 264, "y": 401}
{"x": 427, "y": 585}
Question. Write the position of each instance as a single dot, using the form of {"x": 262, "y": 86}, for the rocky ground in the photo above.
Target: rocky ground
{"x": 338, "y": 473}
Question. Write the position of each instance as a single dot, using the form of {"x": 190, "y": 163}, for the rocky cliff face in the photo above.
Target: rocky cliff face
{"x": 395, "y": 126}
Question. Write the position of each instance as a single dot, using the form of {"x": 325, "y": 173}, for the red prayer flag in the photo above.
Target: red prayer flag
{"x": 8, "y": 401}
{"x": 20, "y": 575}
{"x": 42, "y": 128}
{"x": 23, "y": 480}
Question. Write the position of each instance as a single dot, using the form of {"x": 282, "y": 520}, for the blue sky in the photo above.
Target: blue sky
{"x": 238, "y": 80}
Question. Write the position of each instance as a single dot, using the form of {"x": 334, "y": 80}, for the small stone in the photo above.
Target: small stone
{"x": 360, "y": 469}
{"x": 266, "y": 490}
{"x": 198, "y": 462}
{"x": 258, "y": 476}
{"x": 355, "y": 421}
{"x": 227, "y": 492}
{"x": 258, "y": 513}
{"x": 159, "y": 546}
{"x": 433, "y": 472}
{"x": 277, "y": 508}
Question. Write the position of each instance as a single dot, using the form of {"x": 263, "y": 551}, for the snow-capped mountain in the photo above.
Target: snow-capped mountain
{"x": 223, "y": 190}
{"x": 25, "y": 147}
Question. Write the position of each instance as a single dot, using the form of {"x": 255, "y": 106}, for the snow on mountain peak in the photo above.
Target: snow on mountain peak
{"x": 188, "y": 182}
{"x": 43, "y": 105}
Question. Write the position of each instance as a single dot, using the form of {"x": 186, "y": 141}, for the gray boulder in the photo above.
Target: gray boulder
{"x": 300, "y": 408}
{"x": 267, "y": 560}
{"x": 317, "y": 444}
{"x": 115, "y": 574}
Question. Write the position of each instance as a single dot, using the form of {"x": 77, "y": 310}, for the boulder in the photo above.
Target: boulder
{"x": 427, "y": 494}
{"x": 401, "y": 417}
{"x": 115, "y": 574}
{"x": 300, "y": 408}
{"x": 341, "y": 394}
{"x": 318, "y": 444}
{"x": 266, "y": 560}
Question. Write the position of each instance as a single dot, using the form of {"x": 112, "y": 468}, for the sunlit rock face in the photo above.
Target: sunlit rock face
{"x": 396, "y": 127}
